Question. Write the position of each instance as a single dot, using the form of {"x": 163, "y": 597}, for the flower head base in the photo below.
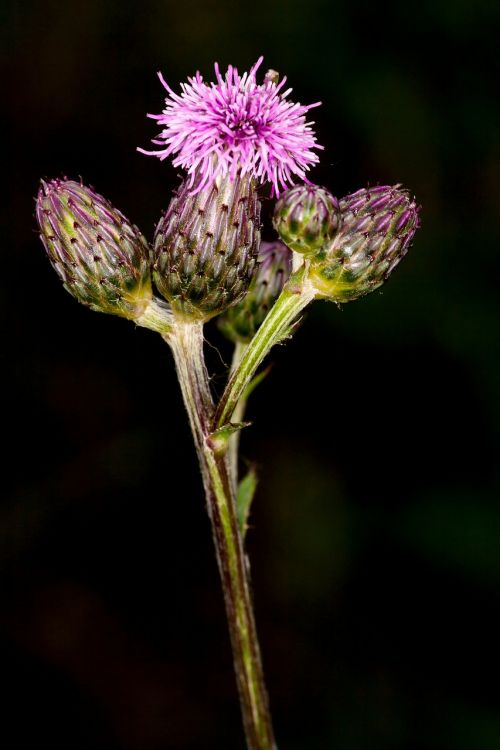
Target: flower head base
{"x": 206, "y": 245}
{"x": 102, "y": 259}
{"x": 236, "y": 125}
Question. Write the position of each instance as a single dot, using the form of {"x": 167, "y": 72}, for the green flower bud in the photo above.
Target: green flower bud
{"x": 205, "y": 246}
{"x": 378, "y": 225}
{"x": 242, "y": 320}
{"x": 306, "y": 217}
{"x": 102, "y": 259}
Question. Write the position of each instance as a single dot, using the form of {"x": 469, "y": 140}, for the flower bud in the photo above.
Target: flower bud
{"x": 242, "y": 320}
{"x": 377, "y": 227}
{"x": 205, "y": 246}
{"x": 306, "y": 217}
{"x": 102, "y": 259}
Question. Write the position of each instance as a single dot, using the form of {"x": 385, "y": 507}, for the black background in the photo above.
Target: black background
{"x": 375, "y": 532}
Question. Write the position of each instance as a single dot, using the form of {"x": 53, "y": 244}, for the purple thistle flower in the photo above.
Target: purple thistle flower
{"x": 236, "y": 125}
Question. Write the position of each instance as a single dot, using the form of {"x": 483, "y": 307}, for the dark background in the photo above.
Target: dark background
{"x": 375, "y": 533}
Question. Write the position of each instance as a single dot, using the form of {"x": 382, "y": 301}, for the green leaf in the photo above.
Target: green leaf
{"x": 244, "y": 497}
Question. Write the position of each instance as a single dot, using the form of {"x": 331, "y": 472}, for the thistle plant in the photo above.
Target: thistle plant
{"x": 232, "y": 138}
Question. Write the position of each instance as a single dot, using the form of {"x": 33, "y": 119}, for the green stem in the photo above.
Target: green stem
{"x": 296, "y": 295}
{"x": 237, "y": 416}
{"x": 186, "y": 340}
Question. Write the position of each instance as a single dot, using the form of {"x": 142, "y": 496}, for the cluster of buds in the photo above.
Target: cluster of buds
{"x": 366, "y": 235}
{"x": 229, "y": 136}
{"x": 204, "y": 258}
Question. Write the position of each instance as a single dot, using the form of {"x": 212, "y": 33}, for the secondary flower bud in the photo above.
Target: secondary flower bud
{"x": 242, "y": 320}
{"x": 102, "y": 259}
{"x": 205, "y": 246}
{"x": 378, "y": 225}
{"x": 306, "y": 217}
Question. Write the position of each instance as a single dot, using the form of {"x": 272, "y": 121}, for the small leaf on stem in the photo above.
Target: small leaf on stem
{"x": 219, "y": 438}
{"x": 244, "y": 497}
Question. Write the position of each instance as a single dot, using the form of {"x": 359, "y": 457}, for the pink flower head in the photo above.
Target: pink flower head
{"x": 236, "y": 125}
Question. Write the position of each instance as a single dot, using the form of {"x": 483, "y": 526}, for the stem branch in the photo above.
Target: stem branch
{"x": 295, "y": 296}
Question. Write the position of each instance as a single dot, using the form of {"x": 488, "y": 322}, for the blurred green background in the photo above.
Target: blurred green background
{"x": 375, "y": 533}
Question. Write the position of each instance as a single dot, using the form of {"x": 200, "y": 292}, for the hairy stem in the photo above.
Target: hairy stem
{"x": 186, "y": 340}
{"x": 296, "y": 295}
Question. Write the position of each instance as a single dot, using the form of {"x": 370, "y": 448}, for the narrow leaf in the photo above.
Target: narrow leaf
{"x": 244, "y": 497}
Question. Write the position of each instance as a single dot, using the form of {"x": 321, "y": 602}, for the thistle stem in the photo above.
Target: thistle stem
{"x": 296, "y": 295}
{"x": 237, "y": 416}
{"x": 186, "y": 341}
